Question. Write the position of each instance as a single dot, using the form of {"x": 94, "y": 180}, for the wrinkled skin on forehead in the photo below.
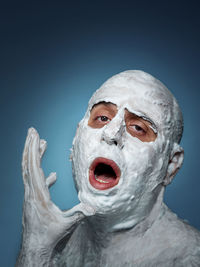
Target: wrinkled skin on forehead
{"x": 145, "y": 166}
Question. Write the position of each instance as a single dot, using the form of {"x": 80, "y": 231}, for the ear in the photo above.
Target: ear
{"x": 175, "y": 163}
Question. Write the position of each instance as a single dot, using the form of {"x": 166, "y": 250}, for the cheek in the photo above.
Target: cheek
{"x": 84, "y": 145}
{"x": 140, "y": 159}
{"x": 89, "y": 141}
{"x": 87, "y": 138}
{"x": 138, "y": 152}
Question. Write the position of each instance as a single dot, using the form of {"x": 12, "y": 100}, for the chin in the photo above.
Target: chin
{"x": 103, "y": 205}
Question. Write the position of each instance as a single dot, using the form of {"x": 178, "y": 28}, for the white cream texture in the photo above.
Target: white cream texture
{"x": 146, "y": 167}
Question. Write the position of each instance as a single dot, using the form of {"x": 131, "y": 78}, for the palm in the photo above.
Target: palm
{"x": 42, "y": 219}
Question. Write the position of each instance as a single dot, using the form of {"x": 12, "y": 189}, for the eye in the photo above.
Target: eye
{"x": 136, "y": 130}
{"x": 102, "y": 118}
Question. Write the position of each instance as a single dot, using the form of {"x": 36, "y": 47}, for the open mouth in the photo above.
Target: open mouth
{"x": 104, "y": 173}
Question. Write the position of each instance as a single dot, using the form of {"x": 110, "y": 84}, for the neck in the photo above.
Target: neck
{"x": 103, "y": 225}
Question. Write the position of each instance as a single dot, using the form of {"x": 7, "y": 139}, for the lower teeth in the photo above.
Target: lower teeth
{"x": 101, "y": 181}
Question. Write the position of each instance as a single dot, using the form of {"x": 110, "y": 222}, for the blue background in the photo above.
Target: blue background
{"x": 55, "y": 54}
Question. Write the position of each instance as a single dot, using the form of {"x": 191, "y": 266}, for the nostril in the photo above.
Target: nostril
{"x": 109, "y": 141}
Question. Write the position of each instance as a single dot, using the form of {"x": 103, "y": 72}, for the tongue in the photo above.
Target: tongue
{"x": 104, "y": 177}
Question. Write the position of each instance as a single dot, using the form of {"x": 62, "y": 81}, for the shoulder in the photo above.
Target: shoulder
{"x": 179, "y": 229}
{"x": 181, "y": 239}
{"x": 169, "y": 241}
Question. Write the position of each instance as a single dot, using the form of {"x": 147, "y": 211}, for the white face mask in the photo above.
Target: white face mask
{"x": 142, "y": 165}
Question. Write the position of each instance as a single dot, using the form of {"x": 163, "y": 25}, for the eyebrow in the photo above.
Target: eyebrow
{"x": 103, "y": 103}
{"x": 152, "y": 126}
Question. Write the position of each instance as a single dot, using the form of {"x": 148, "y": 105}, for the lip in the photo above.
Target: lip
{"x": 111, "y": 182}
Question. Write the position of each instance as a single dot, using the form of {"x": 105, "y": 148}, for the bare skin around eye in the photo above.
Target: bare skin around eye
{"x": 102, "y": 113}
{"x": 138, "y": 127}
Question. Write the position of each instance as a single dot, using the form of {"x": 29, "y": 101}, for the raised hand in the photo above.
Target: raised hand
{"x": 44, "y": 224}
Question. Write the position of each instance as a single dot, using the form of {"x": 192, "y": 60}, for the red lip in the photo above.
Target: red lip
{"x": 104, "y": 173}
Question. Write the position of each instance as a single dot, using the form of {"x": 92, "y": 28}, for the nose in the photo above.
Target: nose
{"x": 113, "y": 131}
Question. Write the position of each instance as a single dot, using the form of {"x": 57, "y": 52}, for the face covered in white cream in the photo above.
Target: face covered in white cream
{"x": 127, "y": 150}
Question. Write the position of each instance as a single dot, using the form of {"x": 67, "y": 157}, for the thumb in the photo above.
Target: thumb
{"x": 82, "y": 209}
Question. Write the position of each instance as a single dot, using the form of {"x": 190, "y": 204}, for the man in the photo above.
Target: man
{"x": 125, "y": 152}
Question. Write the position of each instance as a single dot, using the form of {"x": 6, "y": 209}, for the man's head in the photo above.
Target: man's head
{"x": 127, "y": 145}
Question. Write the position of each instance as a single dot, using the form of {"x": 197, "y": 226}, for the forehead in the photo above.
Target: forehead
{"x": 142, "y": 98}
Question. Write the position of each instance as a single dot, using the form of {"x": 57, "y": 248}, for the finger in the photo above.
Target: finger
{"x": 36, "y": 175}
{"x": 51, "y": 179}
{"x": 43, "y": 147}
{"x": 25, "y": 155}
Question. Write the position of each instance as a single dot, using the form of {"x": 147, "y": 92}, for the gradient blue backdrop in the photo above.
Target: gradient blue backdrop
{"x": 54, "y": 55}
